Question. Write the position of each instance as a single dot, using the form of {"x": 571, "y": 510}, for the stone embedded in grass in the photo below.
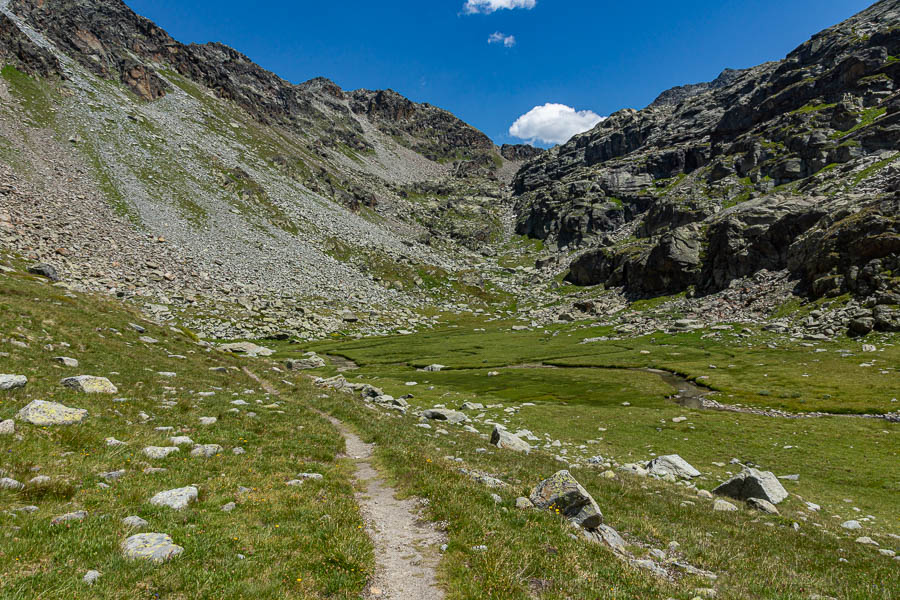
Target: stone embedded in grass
{"x": 246, "y": 348}
{"x": 7, "y": 427}
{"x": 39, "y": 480}
{"x": 177, "y": 499}
{"x": 238, "y": 450}
{"x": 154, "y": 547}
{"x": 472, "y": 406}
{"x": 866, "y": 540}
{"x": 44, "y": 270}
{"x": 434, "y": 368}
{"x": 208, "y": 420}
{"x": 751, "y": 483}
{"x": 304, "y": 364}
{"x": 672, "y": 464}
{"x": 443, "y": 414}
{"x": 90, "y": 384}
{"x": 564, "y": 494}
{"x": 148, "y": 340}
{"x": 159, "y": 451}
{"x": 40, "y": 412}
{"x": 229, "y": 507}
{"x": 763, "y": 505}
{"x": 181, "y": 440}
{"x": 66, "y": 361}
{"x": 138, "y": 328}
{"x": 206, "y": 450}
{"x": 724, "y": 506}
{"x": 78, "y": 515}
{"x": 504, "y": 439}
{"x": 111, "y": 441}
{"x": 167, "y": 374}
{"x": 113, "y": 475}
{"x": 134, "y": 521}
{"x": 91, "y": 576}
{"x": 523, "y": 503}
{"x": 851, "y": 525}
{"x": 7, "y": 483}
{"x": 12, "y": 382}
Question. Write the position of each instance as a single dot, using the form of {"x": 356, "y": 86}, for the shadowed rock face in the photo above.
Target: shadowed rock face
{"x": 759, "y": 169}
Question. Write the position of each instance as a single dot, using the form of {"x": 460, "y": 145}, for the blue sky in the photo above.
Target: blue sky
{"x": 591, "y": 55}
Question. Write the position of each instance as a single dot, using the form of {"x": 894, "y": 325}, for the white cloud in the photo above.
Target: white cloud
{"x": 508, "y": 41}
{"x": 486, "y": 7}
{"x": 553, "y": 123}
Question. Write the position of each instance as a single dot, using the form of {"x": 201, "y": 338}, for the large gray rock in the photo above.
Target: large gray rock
{"x": 42, "y": 413}
{"x": 90, "y": 384}
{"x": 247, "y": 349}
{"x": 304, "y": 364}
{"x": 504, "y": 439}
{"x": 564, "y": 494}
{"x": 12, "y": 382}
{"x": 44, "y": 270}
{"x": 177, "y": 499}
{"x": 443, "y": 414}
{"x": 672, "y": 464}
{"x": 153, "y": 547}
{"x": 751, "y": 483}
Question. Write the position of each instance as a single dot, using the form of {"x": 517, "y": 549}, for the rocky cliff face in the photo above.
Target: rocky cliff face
{"x": 789, "y": 165}
{"x": 260, "y": 189}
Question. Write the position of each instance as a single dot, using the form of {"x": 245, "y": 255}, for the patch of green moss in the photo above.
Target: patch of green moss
{"x": 34, "y": 95}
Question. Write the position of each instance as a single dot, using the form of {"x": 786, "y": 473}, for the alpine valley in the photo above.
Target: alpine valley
{"x": 272, "y": 340}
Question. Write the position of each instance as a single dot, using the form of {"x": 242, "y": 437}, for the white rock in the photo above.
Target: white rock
{"x": 154, "y": 547}
{"x": 159, "y": 451}
{"x": 12, "y": 382}
{"x": 177, "y": 499}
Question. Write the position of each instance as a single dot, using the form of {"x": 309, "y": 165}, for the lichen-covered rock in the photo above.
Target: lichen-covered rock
{"x": 751, "y": 483}
{"x": 153, "y": 547}
{"x": 42, "y": 413}
{"x": 7, "y": 427}
{"x": 504, "y": 439}
{"x": 90, "y": 384}
{"x": 564, "y": 494}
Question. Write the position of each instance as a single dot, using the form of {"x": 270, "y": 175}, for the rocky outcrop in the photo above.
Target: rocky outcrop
{"x": 786, "y": 165}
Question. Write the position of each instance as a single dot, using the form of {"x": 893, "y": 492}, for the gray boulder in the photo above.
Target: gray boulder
{"x": 7, "y": 427}
{"x": 751, "y": 483}
{"x": 44, "y": 270}
{"x": 443, "y": 414}
{"x": 89, "y": 384}
{"x": 504, "y": 439}
{"x": 153, "y": 547}
{"x": 12, "y": 382}
{"x": 563, "y": 493}
{"x": 303, "y": 364}
{"x": 176, "y": 499}
{"x": 7, "y": 483}
{"x": 158, "y": 452}
{"x": 672, "y": 464}
{"x": 41, "y": 413}
{"x": 206, "y": 450}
